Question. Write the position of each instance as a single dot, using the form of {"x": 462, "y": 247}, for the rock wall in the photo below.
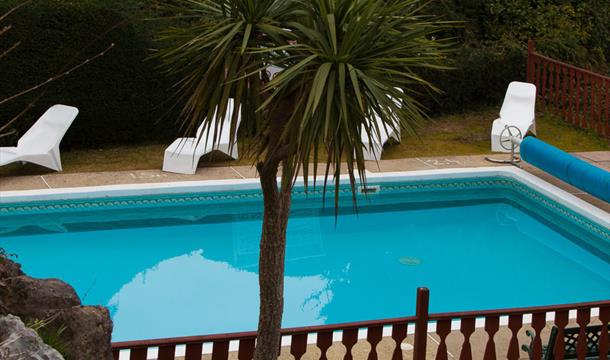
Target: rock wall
{"x": 88, "y": 329}
{"x": 18, "y": 342}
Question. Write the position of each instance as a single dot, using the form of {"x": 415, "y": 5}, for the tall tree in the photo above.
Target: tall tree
{"x": 344, "y": 62}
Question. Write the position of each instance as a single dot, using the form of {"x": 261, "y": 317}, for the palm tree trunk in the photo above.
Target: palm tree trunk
{"x": 271, "y": 259}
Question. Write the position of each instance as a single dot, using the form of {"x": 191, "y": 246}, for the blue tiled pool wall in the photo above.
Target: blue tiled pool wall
{"x": 83, "y": 214}
{"x": 478, "y": 243}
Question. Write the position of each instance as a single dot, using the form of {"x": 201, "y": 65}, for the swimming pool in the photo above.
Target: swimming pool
{"x": 169, "y": 263}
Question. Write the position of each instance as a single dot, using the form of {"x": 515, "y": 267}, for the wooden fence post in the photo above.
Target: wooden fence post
{"x": 421, "y": 324}
{"x": 531, "y": 48}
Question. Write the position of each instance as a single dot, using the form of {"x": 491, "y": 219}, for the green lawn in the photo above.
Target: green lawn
{"x": 469, "y": 134}
{"x": 463, "y": 134}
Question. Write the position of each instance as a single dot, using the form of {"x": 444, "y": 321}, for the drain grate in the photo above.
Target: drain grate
{"x": 410, "y": 260}
{"x": 369, "y": 189}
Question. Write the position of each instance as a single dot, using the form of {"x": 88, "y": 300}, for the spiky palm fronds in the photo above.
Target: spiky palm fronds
{"x": 346, "y": 62}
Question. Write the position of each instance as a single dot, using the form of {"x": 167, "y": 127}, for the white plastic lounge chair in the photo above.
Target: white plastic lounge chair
{"x": 372, "y": 150}
{"x": 273, "y": 70}
{"x": 518, "y": 110}
{"x": 183, "y": 155}
{"x": 40, "y": 144}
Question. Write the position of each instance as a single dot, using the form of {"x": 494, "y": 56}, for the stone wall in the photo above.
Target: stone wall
{"x": 18, "y": 341}
{"x": 87, "y": 329}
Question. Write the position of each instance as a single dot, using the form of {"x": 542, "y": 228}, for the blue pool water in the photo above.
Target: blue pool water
{"x": 187, "y": 264}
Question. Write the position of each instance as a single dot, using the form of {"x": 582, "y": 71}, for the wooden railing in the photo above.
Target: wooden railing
{"x": 579, "y": 96}
{"x": 299, "y": 341}
{"x": 537, "y": 318}
{"x": 243, "y": 343}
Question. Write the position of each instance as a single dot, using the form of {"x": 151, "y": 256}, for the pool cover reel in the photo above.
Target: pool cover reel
{"x": 566, "y": 167}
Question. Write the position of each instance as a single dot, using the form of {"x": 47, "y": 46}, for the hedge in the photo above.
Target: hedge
{"x": 122, "y": 97}
{"x": 478, "y": 78}
{"x": 491, "y": 38}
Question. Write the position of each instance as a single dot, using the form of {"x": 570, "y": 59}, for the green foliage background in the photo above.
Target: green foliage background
{"x": 492, "y": 44}
{"x": 124, "y": 99}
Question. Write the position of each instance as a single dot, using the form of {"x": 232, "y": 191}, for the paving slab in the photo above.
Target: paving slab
{"x": 550, "y": 179}
{"x": 604, "y": 165}
{"x": 451, "y": 162}
{"x": 596, "y": 156}
{"x": 66, "y": 180}
{"x": 396, "y": 165}
{"x": 136, "y": 177}
{"x": 29, "y": 182}
{"x": 594, "y": 201}
{"x": 245, "y": 171}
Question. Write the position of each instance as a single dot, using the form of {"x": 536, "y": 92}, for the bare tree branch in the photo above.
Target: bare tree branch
{"x": 2, "y": 17}
{"x": 5, "y": 29}
{"x": 13, "y": 47}
{"x": 63, "y": 72}
{"x": 56, "y": 77}
{"x": 21, "y": 113}
{"x": 8, "y": 133}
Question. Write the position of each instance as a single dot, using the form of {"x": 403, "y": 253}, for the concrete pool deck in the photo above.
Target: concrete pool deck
{"x": 68, "y": 180}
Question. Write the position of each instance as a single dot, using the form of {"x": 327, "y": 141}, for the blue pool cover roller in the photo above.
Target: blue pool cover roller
{"x": 566, "y": 167}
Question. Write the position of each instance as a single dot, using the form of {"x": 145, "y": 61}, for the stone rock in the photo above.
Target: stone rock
{"x": 20, "y": 342}
{"x": 31, "y": 298}
{"x": 88, "y": 330}
{"x": 9, "y": 268}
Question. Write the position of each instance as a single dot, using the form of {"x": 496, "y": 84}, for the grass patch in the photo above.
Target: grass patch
{"x": 567, "y": 137}
{"x": 469, "y": 134}
{"x": 51, "y": 336}
{"x": 460, "y": 134}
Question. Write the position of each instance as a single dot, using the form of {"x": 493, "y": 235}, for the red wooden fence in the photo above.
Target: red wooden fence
{"x": 414, "y": 329}
{"x": 579, "y": 96}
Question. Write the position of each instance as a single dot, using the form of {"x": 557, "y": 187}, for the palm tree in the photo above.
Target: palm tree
{"x": 344, "y": 62}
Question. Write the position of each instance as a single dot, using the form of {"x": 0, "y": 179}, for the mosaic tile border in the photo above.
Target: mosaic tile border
{"x": 557, "y": 208}
{"x": 202, "y": 198}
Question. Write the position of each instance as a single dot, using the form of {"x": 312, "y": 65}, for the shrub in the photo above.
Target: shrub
{"x": 122, "y": 98}
{"x": 51, "y": 336}
{"x": 492, "y": 37}
{"x": 480, "y": 77}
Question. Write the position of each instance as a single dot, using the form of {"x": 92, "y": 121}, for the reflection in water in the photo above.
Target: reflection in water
{"x": 305, "y": 239}
{"x": 220, "y": 299}
{"x": 192, "y": 269}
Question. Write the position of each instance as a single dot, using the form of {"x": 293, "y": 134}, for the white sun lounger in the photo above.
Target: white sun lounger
{"x": 373, "y": 149}
{"x": 40, "y": 144}
{"x": 183, "y": 155}
{"x": 273, "y": 70}
{"x": 518, "y": 110}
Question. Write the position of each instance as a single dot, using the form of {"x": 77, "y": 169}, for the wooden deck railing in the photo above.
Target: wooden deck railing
{"x": 579, "y": 96}
{"x": 536, "y": 317}
{"x": 419, "y": 327}
{"x": 244, "y": 342}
